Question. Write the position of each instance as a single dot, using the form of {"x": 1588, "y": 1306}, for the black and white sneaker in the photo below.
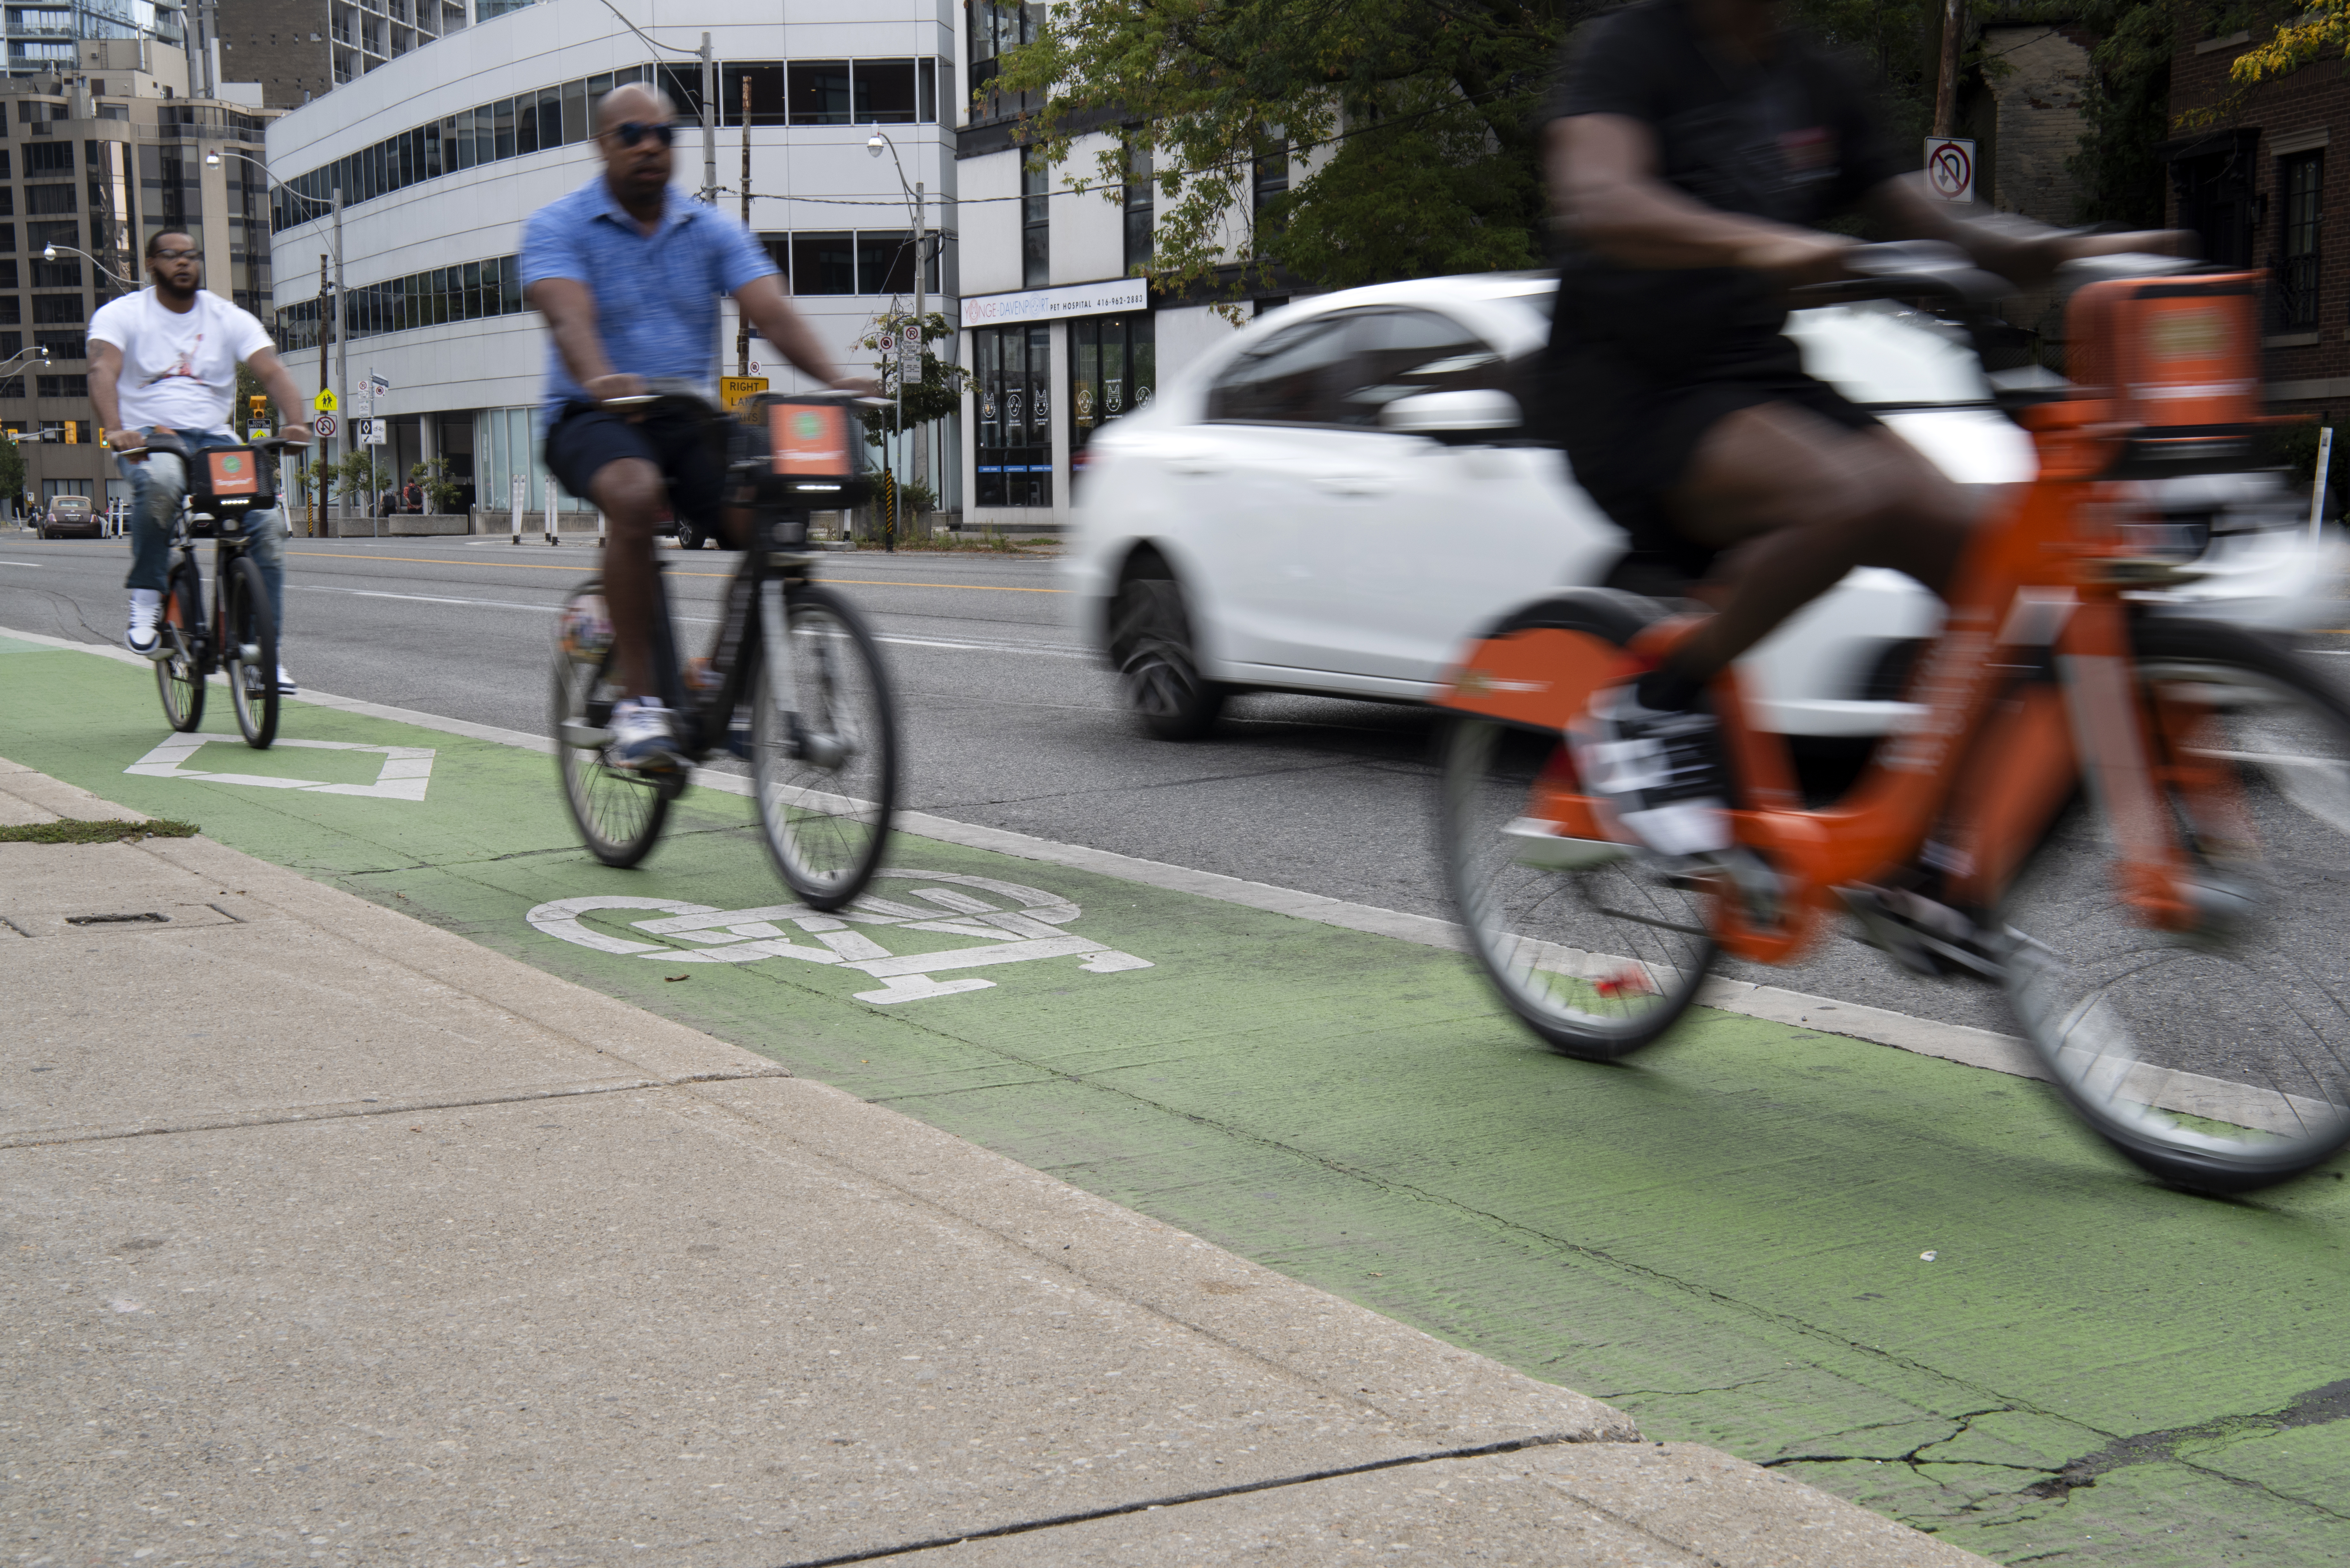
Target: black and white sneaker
{"x": 144, "y": 636}
{"x": 1657, "y": 772}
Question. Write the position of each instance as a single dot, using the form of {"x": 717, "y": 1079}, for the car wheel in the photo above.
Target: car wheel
{"x": 1158, "y": 667}
{"x": 688, "y": 536}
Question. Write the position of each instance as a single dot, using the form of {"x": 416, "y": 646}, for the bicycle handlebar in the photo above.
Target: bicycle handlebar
{"x": 271, "y": 444}
{"x": 1907, "y": 268}
{"x": 672, "y": 392}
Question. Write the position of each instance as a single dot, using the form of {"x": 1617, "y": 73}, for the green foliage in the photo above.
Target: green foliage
{"x": 11, "y": 470}
{"x": 441, "y": 491}
{"x": 938, "y": 394}
{"x": 2303, "y": 34}
{"x": 1416, "y": 124}
{"x": 363, "y": 475}
{"x": 2128, "y": 106}
{"x": 70, "y": 831}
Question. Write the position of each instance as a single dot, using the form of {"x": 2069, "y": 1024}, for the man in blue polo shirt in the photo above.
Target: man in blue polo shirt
{"x": 627, "y": 272}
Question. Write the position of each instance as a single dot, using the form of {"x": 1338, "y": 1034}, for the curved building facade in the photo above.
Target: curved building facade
{"x": 441, "y": 154}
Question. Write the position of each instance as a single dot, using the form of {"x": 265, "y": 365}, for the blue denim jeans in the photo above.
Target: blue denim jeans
{"x": 158, "y": 482}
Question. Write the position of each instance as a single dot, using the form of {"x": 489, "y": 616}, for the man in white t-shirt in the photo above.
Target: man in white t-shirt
{"x": 164, "y": 360}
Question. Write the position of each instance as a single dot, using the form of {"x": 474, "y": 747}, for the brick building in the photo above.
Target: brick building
{"x": 2254, "y": 189}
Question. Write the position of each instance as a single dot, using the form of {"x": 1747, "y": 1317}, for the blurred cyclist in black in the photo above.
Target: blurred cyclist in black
{"x": 1691, "y": 147}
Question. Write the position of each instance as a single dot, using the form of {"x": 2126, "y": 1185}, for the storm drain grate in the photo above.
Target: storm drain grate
{"x": 151, "y": 918}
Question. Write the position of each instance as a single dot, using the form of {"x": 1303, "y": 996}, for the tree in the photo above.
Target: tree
{"x": 11, "y": 470}
{"x": 2305, "y": 34}
{"x": 441, "y": 491}
{"x": 363, "y": 475}
{"x": 1418, "y": 123}
{"x": 2128, "y": 110}
{"x": 937, "y": 395}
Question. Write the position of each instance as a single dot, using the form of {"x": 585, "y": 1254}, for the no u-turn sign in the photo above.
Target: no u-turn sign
{"x": 1950, "y": 168}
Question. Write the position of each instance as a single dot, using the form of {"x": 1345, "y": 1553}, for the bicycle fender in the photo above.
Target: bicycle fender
{"x": 1539, "y": 664}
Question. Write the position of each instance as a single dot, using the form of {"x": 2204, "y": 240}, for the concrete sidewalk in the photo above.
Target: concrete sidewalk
{"x": 332, "y": 1237}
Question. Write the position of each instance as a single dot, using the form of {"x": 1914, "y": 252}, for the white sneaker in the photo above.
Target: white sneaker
{"x": 641, "y": 737}
{"x": 286, "y": 686}
{"x": 145, "y": 636}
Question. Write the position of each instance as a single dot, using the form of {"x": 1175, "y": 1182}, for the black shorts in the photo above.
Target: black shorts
{"x": 1630, "y": 433}
{"x": 689, "y": 453}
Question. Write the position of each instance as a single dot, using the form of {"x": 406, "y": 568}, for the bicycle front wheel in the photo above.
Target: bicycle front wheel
{"x": 250, "y": 655}
{"x": 619, "y": 812}
{"x": 1593, "y": 945}
{"x": 2217, "y": 1058}
{"x": 180, "y": 673}
{"x": 824, "y": 756}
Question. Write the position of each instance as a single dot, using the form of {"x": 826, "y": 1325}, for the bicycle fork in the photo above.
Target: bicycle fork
{"x": 2155, "y": 873}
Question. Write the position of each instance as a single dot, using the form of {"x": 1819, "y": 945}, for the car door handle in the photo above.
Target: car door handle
{"x": 1355, "y": 484}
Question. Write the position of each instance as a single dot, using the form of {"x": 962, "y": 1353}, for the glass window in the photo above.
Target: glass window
{"x": 683, "y": 83}
{"x": 778, "y": 247}
{"x": 926, "y": 94}
{"x": 510, "y": 286}
{"x": 48, "y": 158}
{"x": 472, "y": 287}
{"x": 8, "y": 243}
{"x": 503, "y": 117}
{"x": 1269, "y": 184}
{"x": 818, "y": 92}
{"x": 51, "y": 310}
{"x": 526, "y": 124}
{"x": 465, "y": 158}
{"x": 49, "y": 199}
{"x": 11, "y": 311}
{"x": 550, "y": 118}
{"x": 1141, "y": 209}
{"x": 885, "y": 92}
{"x": 885, "y": 263}
{"x": 1012, "y": 387}
{"x": 575, "y": 111}
{"x": 766, "y": 82}
{"x": 824, "y": 264}
{"x": 2302, "y": 181}
{"x": 1035, "y": 224}
{"x": 437, "y": 149}
{"x": 1395, "y": 353}
{"x": 1113, "y": 370}
{"x": 1296, "y": 377}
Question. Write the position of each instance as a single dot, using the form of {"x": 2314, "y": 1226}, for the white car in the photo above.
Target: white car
{"x": 1270, "y": 522}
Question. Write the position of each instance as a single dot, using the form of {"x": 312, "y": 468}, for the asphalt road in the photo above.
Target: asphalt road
{"x": 1011, "y": 721}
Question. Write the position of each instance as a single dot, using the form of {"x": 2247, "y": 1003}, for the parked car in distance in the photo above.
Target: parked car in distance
{"x": 1333, "y": 500}
{"x": 70, "y": 517}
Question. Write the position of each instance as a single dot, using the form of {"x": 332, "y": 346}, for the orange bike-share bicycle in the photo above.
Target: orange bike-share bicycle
{"x": 2137, "y": 823}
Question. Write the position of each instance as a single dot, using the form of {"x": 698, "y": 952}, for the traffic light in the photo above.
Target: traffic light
{"x": 259, "y": 403}
{"x": 73, "y": 432}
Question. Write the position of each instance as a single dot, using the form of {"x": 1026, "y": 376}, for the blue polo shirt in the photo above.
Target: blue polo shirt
{"x": 656, "y": 295}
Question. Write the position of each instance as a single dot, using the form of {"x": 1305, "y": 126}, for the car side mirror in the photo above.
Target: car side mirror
{"x": 1480, "y": 411}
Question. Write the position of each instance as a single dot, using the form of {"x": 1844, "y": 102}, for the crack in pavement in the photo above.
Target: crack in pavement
{"x": 2317, "y": 1406}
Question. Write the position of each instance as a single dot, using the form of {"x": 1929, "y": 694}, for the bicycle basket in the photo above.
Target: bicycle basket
{"x": 796, "y": 455}
{"x": 224, "y": 482}
{"x": 2178, "y": 357}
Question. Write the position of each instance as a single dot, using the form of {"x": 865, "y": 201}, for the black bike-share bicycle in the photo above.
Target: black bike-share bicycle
{"x": 794, "y": 684}
{"x": 224, "y": 484}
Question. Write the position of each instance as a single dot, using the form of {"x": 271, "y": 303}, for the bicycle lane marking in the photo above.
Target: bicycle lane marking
{"x": 1726, "y": 1238}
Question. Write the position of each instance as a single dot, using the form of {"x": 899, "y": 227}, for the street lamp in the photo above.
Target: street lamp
{"x": 916, "y": 211}
{"x": 49, "y": 253}
{"x": 330, "y": 293}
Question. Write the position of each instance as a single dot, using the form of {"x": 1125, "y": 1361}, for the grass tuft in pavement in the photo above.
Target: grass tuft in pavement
{"x": 97, "y": 832}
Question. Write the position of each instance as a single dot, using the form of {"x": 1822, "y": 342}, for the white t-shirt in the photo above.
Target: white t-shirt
{"x": 179, "y": 370}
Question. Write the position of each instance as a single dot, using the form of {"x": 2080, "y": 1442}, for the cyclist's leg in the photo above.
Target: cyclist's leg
{"x": 1799, "y": 500}
{"x": 607, "y": 459}
{"x": 157, "y": 482}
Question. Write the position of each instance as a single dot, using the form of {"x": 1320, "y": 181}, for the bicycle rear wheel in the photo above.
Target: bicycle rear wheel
{"x": 250, "y": 654}
{"x": 824, "y": 757}
{"x": 618, "y": 811}
{"x": 180, "y": 673}
{"x": 2217, "y": 1059}
{"x": 1594, "y": 947}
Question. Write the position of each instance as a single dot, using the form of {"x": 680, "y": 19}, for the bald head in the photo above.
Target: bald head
{"x": 633, "y": 136}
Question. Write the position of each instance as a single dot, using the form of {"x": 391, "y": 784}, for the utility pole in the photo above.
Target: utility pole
{"x": 922, "y": 246}
{"x": 327, "y": 329}
{"x": 742, "y": 323}
{"x": 708, "y": 123}
{"x": 342, "y": 339}
{"x": 1946, "y": 86}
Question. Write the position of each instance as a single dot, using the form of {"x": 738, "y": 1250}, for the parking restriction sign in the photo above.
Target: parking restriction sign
{"x": 1950, "y": 168}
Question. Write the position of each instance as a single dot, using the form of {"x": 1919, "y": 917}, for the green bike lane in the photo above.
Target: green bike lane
{"x": 1912, "y": 1282}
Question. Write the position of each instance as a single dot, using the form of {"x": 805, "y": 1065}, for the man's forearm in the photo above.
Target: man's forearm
{"x": 102, "y": 401}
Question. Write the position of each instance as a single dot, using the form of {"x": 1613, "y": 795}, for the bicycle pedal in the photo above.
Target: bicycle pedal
{"x": 1927, "y": 939}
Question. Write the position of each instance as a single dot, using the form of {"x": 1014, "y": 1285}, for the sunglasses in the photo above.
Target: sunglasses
{"x": 178, "y": 255}
{"x": 631, "y": 131}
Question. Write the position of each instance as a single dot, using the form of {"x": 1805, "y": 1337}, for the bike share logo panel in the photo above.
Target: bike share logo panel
{"x": 999, "y": 923}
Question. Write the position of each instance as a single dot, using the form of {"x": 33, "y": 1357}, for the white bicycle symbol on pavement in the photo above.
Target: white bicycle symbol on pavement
{"x": 950, "y": 905}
